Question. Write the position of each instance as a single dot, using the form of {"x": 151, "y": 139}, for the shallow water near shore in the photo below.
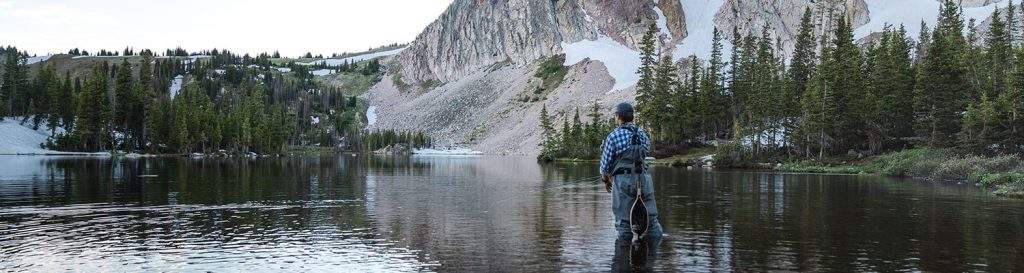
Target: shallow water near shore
{"x": 477, "y": 213}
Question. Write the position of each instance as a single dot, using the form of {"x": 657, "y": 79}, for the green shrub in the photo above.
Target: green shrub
{"x": 998, "y": 179}
{"x": 818, "y": 167}
{"x": 399, "y": 83}
{"x": 732, "y": 155}
{"x": 551, "y": 72}
{"x": 899, "y": 163}
{"x": 1013, "y": 185}
{"x": 1004, "y": 174}
{"x": 956, "y": 168}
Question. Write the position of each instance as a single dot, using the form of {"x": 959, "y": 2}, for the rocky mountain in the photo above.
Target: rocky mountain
{"x": 468, "y": 78}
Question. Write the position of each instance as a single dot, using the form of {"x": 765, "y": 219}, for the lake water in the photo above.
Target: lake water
{"x": 480, "y": 214}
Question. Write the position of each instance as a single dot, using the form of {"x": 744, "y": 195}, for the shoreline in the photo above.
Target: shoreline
{"x": 1001, "y": 175}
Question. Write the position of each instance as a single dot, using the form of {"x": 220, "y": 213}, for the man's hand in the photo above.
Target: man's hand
{"x": 607, "y": 179}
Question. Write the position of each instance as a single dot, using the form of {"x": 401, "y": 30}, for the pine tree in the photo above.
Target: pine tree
{"x": 547, "y": 134}
{"x": 846, "y": 86}
{"x": 812, "y": 133}
{"x": 664, "y": 81}
{"x": 924, "y": 41}
{"x": 1013, "y": 100}
{"x": 144, "y": 98}
{"x": 38, "y": 98}
{"x": 765, "y": 92}
{"x": 819, "y": 105}
{"x": 124, "y": 103}
{"x": 576, "y": 136}
{"x": 1012, "y": 23}
{"x": 54, "y": 93}
{"x": 803, "y": 58}
{"x": 997, "y": 57}
{"x": 15, "y": 84}
{"x": 595, "y": 131}
{"x": 688, "y": 107}
{"x": 566, "y": 137}
{"x": 943, "y": 80}
{"x": 981, "y": 125}
{"x": 714, "y": 102}
{"x": 875, "y": 59}
{"x": 66, "y": 103}
{"x": 743, "y": 86}
{"x": 94, "y": 112}
{"x": 895, "y": 90}
{"x": 646, "y": 97}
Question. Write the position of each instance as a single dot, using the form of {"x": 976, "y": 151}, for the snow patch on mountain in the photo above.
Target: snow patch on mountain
{"x": 621, "y": 61}
{"x": 446, "y": 152}
{"x": 96, "y": 57}
{"x": 662, "y": 23}
{"x": 355, "y": 59}
{"x": 911, "y": 13}
{"x": 17, "y": 138}
{"x": 176, "y": 85}
{"x": 700, "y": 27}
{"x": 371, "y": 115}
{"x": 322, "y": 72}
{"x": 37, "y": 59}
{"x": 191, "y": 58}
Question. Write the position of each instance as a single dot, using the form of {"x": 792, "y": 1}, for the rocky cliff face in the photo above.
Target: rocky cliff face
{"x": 473, "y": 34}
{"x": 783, "y": 17}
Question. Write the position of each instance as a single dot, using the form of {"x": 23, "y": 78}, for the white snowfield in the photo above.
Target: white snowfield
{"x": 191, "y": 58}
{"x": 371, "y": 115}
{"x": 32, "y": 60}
{"x": 700, "y": 29}
{"x": 446, "y": 152}
{"x": 96, "y": 57}
{"x": 355, "y": 59}
{"x": 662, "y": 23}
{"x": 283, "y": 69}
{"x": 910, "y": 13}
{"x": 621, "y": 61}
{"x": 20, "y": 139}
{"x": 322, "y": 72}
{"x": 176, "y": 85}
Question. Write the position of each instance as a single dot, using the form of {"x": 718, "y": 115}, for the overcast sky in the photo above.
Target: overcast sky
{"x": 246, "y": 26}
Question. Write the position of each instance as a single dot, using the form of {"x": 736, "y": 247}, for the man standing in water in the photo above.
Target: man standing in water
{"x": 622, "y": 169}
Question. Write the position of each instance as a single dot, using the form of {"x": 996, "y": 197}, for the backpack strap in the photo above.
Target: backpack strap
{"x": 639, "y": 154}
{"x": 635, "y": 138}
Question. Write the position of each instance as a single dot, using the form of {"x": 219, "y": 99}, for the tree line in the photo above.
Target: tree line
{"x": 379, "y": 139}
{"x": 139, "y": 117}
{"x": 835, "y": 97}
{"x": 224, "y": 103}
{"x": 575, "y": 139}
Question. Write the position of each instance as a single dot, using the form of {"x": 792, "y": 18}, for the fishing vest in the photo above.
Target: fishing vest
{"x": 631, "y": 161}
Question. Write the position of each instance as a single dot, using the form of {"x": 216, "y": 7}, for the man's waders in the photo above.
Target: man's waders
{"x": 636, "y": 215}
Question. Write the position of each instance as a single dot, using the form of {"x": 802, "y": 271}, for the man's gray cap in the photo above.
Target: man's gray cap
{"x": 624, "y": 109}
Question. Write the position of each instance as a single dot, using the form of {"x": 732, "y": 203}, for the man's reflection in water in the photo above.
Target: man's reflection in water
{"x": 637, "y": 257}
